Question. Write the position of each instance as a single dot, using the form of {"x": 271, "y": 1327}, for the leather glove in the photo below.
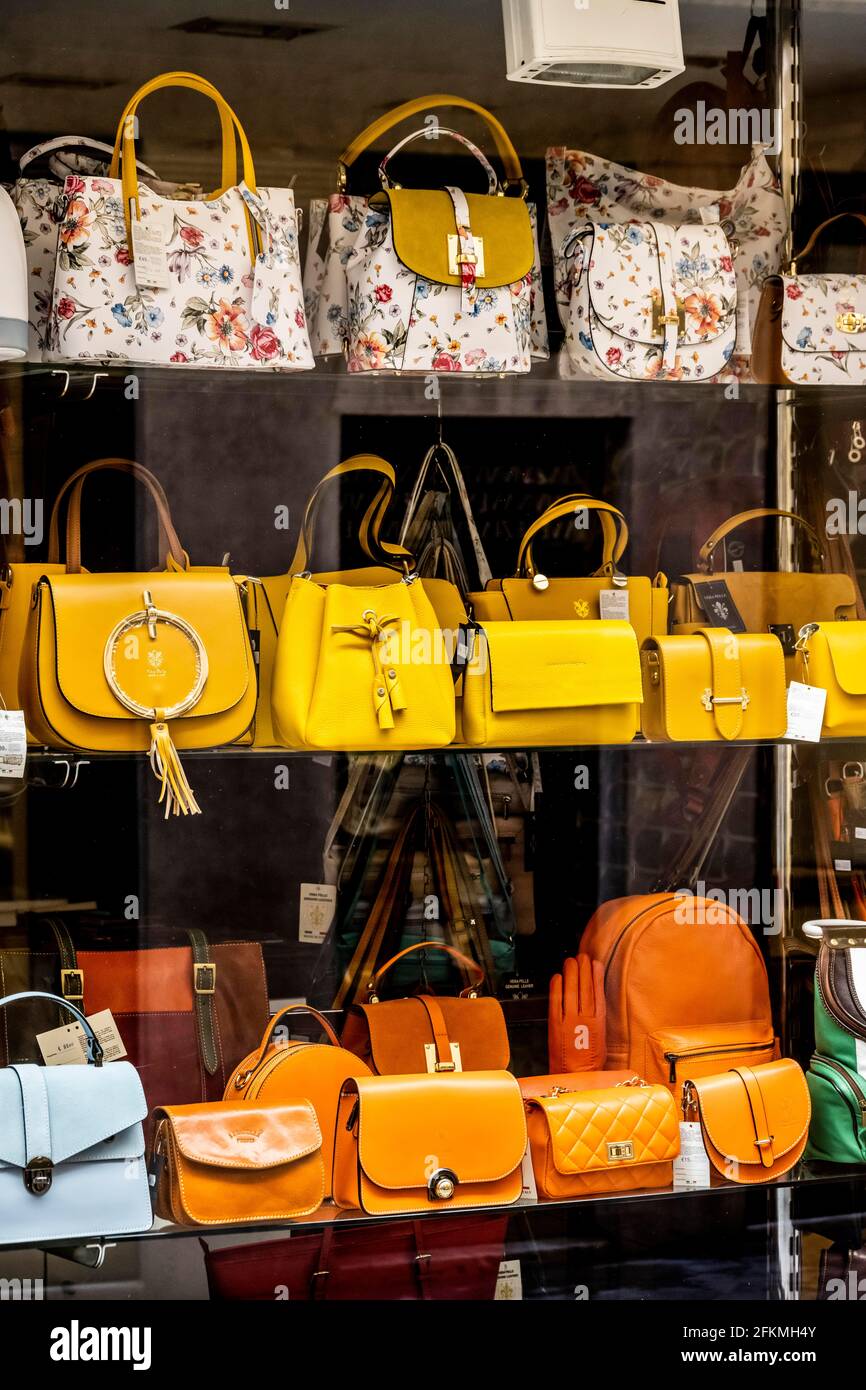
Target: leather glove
{"x": 576, "y": 1039}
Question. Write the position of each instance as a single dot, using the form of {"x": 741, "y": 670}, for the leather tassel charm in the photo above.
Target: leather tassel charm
{"x": 175, "y": 790}
{"x": 381, "y": 703}
{"x": 394, "y": 688}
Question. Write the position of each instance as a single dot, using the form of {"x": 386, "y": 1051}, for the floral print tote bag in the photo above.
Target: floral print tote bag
{"x": 199, "y": 281}
{"x": 427, "y": 281}
{"x": 583, "y": 188}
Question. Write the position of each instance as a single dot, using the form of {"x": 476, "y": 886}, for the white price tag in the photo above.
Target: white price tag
{"x": 710, "y": 214}
{"x": 744, "y": 326}
{"x": 13, "y": 743}
{"x": 842, "y": 866}
{"x": 860, "y": 832}
{"x": 691, "y": 1165}
{"x": 737, "y": 566}
{"x": 509, "y": 1282}
{"x": 150, "y": 255}
{"x": 613, "y": 603}
{"x": 67, "y": 1045}
{"x": 530, "y": 1191}
{"x": 316, "y": 912}
{"x": 805, "y": 712}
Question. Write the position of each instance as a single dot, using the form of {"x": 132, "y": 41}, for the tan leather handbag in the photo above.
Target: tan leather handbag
{"x": 760, "y": 601}
{"x": 754, "y": 1120}
{"x": 218, "y": 1165}
{"x": 612, "y": 1139}
{"x": 429, "y": 1033}
{"x": 429, "y": 1143}
{"x": 713, "y": 685}
{"x": 282, "y": 1069}
{"x": 530, "y": 594}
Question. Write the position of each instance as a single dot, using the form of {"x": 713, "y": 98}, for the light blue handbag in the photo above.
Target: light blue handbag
{"x": 71, "y": 1146}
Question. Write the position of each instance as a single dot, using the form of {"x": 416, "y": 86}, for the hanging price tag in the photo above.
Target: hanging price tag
{"x": 613, "y": 603}
{"x": 316, "y": 913}
{"x": 805, "y": 712}
{"x": 691, "y": 1165}
{"x": 67, "y": 1045}
{"x": 13, "y": 743}
{"x": 150, "y": 256}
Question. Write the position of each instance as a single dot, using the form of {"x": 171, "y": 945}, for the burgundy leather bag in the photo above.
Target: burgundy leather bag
{"x": 454, "y": 1258}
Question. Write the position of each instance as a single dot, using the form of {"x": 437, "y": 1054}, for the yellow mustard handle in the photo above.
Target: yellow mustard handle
{"x": 368, "y": 136}
{"x": 613, "y": 549}
{"x": 229, "y": 176}
{"x": 397, "y": 556}
{"x": 754, "y": 514}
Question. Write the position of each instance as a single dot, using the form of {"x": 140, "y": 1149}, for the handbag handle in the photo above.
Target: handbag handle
{"x": 614, "y": 527}
{"x": 705, "y": 555}
{"x": 465, "y": 963}
{"x": 394, "y": 556}
{"x": 822, "y": 227}
{"x": 274, "y": 1023}
{"x": 170, "y": 546}
{"x": 94, "y": 1046}
{"x": 371, "y": 133}
{"x": 126, "y": 148}
{"x": 229, "y": 174}
{"x": 484, "y": 571}
{"x": 492, "y": 180}
{"x": 73, "y": 144}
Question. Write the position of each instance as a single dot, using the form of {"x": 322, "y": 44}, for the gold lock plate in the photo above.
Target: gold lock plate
{"x": 661, "y": 320}
{"x": 851, "y": 323}
{"x": 621, "y": 1152}
{"x": 456, "y": 259}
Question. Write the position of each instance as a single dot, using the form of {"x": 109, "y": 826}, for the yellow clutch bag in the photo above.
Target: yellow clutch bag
{"x": 833, "y": 657}
{"x": 552, "y": 683}
{"x": 713, "y": 685}
{"x": 138, "y": 661}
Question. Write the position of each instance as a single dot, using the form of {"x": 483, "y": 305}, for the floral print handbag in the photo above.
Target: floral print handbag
{"x": 584, "y": 188}
{"x": 226, "y": 288}
{"x": 38, "y": 197}
{"x": 427, "y": 281}
{"x": 811, "y": 329}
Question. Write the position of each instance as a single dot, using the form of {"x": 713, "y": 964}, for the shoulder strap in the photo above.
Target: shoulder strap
{"x": 396, "y": 556}
{"x": 754, "y": 514}
{"x": 485, "y": 573}
{"x": 822, "y": 227}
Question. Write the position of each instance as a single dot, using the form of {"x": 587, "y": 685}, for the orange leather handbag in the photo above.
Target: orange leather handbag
{"x": 603, "y": 1140}
{"x": 429, "y": 1033}
{"x": 282, "y": 1069}
{"x": 754, "y": 1120}
{"x": 215, "y": 1165}
{"x": 428, "y": 1143}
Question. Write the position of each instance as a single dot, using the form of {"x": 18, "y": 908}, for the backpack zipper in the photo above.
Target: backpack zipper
{"x": 674, "y": 1057}
{"x": 850, "y": 1082}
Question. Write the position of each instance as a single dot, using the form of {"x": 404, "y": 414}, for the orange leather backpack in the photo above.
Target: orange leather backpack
{"x": 685, "y": 987}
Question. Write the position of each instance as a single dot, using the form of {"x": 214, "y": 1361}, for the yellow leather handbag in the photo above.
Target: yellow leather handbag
{"x": 610, "y": 1139}
{"x": 429, "y": 1143}
{"x": 780, "y": 602}
{"x": 833, "y": 657}
{"x": 218, "y": 1164}
{"x": 607, "y": 593}
{"x": 552, "y": 683}
{"x": 137, "y": 661}
{"x": 713, "y": 685}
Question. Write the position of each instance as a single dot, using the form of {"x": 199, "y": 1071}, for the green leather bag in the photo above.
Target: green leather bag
{"x": 837, "y": 1072}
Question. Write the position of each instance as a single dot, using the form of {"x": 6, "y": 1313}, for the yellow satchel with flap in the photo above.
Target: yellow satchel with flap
{"x": 531, "y": 595}
{"x": 832, "y": 656}
{"x": 552, "y": 683}
{"x": 133, "y": 662}
{"x": 713, "y": 685}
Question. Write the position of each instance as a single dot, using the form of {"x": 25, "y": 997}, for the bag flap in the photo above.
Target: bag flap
{"x": 221, "y": 1136}
{"x": 423, "y": 219}
{"x": 87, "y": 608}
{"x": 559, "y": 665}
{"x": 399, "y": 1029}
{"x": 583, "y": 1124}
{"x": 86, "y": 1106}
{"x": 630, "y": 263}
{"x": 824, "y": 314}
{"x": 726, "y": 1110}
{"x": 473, "y": 1123}
{"x": 846, "y": 643}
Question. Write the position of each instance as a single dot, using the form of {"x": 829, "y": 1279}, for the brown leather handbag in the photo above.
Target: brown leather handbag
{"x": 217, "y": 1165}
{"x": 428, "y": 1033}
{"x": 280, "y": 1069}
{"x": 760, "y": 601}
{"x": 454, "y": 1257}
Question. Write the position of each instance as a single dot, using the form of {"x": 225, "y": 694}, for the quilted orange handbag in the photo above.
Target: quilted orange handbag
{"x": 754, "y": 1120}
{"x": 429, "y": 1033}
{"x": 282, "y": 1069}
{"x": 427, "y": 1143}
{"x": 611, "y": 1140}
{"x": 216, "y": 1164}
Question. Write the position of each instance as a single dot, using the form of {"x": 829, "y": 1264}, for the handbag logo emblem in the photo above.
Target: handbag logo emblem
{"x": 581, "y": 608}
{"x": 620, "y": 1152}
{"x": 156, "y": 661}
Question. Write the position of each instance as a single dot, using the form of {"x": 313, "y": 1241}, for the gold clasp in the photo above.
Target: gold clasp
{"x": 150, "y": 614}
{"x": 709, "y": 700}
{"x": 851, "y": 323}
{"x": 661, "y": 320}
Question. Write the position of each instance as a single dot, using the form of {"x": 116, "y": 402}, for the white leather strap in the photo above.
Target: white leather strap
{"x": 468, "y": 266}
{"x": 37, "y": 1121}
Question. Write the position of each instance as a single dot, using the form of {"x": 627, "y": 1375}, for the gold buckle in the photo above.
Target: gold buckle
{"x": 458, "y": 258}
{"x": 72, "y": 984}
{"x": 661, "y": 320}
{"x": 709, "y": 700}
{"x": 204, "y": 977}
{"x": 851, "y": 323}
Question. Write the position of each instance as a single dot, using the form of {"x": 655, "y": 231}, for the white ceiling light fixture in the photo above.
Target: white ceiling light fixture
{"x": 593, "y": 43}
